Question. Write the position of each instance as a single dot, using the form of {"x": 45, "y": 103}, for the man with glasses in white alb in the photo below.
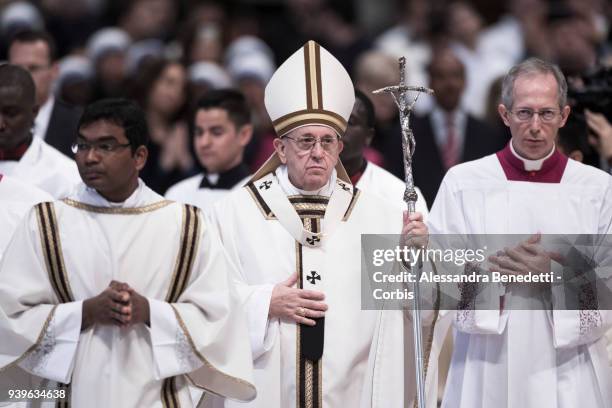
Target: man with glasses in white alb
{"x": 549, "y": 356}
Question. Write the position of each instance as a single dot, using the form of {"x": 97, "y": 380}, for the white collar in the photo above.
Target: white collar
{"x": 141, "y": 197}
{"x": 212, "y": 178}
{"x": 283, "y": 179}
{"x": 531, "y": 165}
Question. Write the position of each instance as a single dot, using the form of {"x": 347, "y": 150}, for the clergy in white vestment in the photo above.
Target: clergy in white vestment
{"x": 223, "y": 128}
{"x": 16, "y": 198}
{"x": 364, "y": 174}
{"x": 120, "y": 296}
{"x": 23, "y": 156}
{"x": 547, "y": 357}
{"x": 294, "y": 232}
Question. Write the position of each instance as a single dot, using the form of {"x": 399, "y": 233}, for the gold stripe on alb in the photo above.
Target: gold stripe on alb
{"x": 349, "y": 211}
{"x": 51, "y": 247}
{"x": 268, "y": 214}
{"x": 62, "y": 272}
{"x": 168, "y": 398}
{"x": 53, "y": 259}
{"x": 298, "y": 376}
{"x": 187, "y": 251}
{"x": 191, "y": 249}
{"x": 309, "y": 207}
{"x": 310, "y": 117}
{"x": 179, "y": 256}
{"x": 430, "y": 337}
{"x": 54, "y": 262}
{"x": 113, "y": 210}
{"x": 308, "y": 387}
{"x": 44, "y": 243}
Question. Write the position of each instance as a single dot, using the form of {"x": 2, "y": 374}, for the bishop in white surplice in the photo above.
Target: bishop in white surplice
{"x": 528, "y": 358}
{"x": 547, "y": 356}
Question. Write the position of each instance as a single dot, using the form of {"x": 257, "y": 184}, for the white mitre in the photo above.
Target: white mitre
{"x": 310, "y": 88}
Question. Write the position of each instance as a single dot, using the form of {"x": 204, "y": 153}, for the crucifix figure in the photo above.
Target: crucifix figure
{"x": 400, "y": 96}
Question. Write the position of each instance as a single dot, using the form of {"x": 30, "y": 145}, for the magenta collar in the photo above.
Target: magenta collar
{"x": 551, "y": 171}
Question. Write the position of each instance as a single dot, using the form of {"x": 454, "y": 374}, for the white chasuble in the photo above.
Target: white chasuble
{"x": 271, "y": 232}
{"x": 68, "y": 251}
{"x": 542, "y": 358}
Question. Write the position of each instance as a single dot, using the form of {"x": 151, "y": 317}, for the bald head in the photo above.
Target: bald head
{"x": 18, "y": 78}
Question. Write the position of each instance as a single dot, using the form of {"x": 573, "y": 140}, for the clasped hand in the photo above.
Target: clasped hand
{"x": 118, "y": 305}
{"x": 527, "y": 257}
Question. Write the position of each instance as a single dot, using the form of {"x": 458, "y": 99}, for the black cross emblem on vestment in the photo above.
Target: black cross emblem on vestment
{"x": 314, "y": 276}
{"x": 265, "y": 184}
{"x": 344, "y": 187}
{"x": 312, "y": 240}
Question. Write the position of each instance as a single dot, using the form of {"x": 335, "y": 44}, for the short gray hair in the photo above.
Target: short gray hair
{"x": 528, "y": 67}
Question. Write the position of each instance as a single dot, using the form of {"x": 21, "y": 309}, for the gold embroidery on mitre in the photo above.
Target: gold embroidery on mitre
{"x": 288, "y": 122}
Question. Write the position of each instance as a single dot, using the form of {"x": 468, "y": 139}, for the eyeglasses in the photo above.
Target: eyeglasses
{"x": 545, "y": 115}
{"x": 101, "y": 147}
{"x": 306, "y": 143}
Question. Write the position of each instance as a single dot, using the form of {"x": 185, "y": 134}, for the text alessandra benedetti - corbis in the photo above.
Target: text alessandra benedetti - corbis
{"x": 474, "y": 277}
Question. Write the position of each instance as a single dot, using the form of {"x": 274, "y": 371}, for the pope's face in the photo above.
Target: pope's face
{"x": 534, "y": 138}
{"x": 309, "y": 169}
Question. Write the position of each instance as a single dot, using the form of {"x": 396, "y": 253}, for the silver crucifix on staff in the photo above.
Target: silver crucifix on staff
{"x": 400, "y": 94}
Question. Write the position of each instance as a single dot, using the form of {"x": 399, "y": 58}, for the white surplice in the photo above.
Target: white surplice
{"x": 265, "y": 253}
{"x": 44, "y": 167}
{"x": 378, "y": 181}
{"x": 539, "y": 358}
{"x": 197, "y": 333}
{"x": 16, "y": 199}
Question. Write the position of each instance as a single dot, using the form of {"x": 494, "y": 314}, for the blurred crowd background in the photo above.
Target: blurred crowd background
{"x": 167, "y": 53}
